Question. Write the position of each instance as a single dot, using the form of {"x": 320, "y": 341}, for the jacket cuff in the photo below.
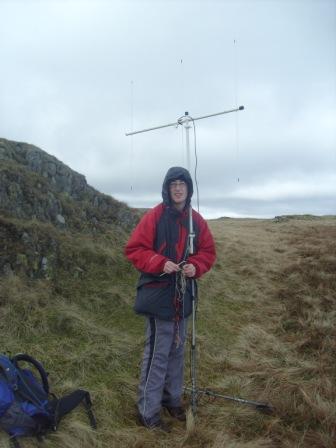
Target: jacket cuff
{"x": 156, "y": 263}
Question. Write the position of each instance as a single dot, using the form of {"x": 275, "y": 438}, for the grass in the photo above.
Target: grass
{"x": 265, "y": 331}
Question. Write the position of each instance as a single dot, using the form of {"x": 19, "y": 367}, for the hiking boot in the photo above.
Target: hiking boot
{"x": 177, "y": 412}
{"x": 159, "y": 424}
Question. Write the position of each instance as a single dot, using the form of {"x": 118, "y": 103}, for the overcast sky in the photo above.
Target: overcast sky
{"x": 76, "y": 75}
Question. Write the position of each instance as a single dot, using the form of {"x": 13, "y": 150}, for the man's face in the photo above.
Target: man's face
{"x": 178, "y": 190}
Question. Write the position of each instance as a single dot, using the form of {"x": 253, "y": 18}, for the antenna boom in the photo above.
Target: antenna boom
{"x": 183, "y": 120}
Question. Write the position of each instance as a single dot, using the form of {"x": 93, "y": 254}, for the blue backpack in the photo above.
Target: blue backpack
{"x": 27, "y": 408}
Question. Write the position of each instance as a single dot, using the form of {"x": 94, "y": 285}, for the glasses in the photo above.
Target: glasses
{"x": 178, "y": 184}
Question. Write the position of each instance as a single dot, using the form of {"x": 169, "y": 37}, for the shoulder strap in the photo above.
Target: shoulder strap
{"x": 69, "y": 402}
{"x": 9, "y": 371}
{"x": 24, "y": 357}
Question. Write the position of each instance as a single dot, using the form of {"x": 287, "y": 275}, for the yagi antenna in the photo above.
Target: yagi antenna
{"x": 186, "y": 116}
{"x": 185, "y": 121}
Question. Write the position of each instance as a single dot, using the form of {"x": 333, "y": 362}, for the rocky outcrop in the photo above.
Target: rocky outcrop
{"x": 43, "y": 203}
{"x": 35, "y": 185}
{"x": 60, "y": 176}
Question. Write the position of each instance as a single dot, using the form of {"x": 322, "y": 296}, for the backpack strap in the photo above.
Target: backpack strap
{"x": 88, "y": 407}
{"x": 24, "y": 357}
{"x": 67, "y": 403}
{"x": 9, "y": 371}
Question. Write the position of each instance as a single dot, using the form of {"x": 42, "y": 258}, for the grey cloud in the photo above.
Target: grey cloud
{"x": 79, "y": 74}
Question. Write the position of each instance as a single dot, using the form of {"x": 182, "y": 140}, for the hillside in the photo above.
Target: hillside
{"x": 266, "y": 323}
{"x": 43, "y": 205}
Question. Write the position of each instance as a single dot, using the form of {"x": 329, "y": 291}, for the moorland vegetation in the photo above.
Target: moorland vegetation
{"x": 265, "y": 324}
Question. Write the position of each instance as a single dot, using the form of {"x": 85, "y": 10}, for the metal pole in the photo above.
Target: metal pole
{"x": 186, "y": 123}
{"x": 264, "y": 407}
{"x": 152, "y": 129}
{"x": 219, "y": 113}
{"x": 193, "y": 352}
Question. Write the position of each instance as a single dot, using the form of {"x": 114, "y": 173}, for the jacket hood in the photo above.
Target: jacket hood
{"x": 177, "y": 173}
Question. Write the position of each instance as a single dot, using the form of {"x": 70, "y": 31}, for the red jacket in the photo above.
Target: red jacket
{"x": 162, "y": 235}
{"x": 141, "y": 251}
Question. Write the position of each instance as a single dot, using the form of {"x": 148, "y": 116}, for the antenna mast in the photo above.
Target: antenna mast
{"x": 185, "y": 121}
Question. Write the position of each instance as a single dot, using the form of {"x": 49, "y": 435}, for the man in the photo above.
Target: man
{"x": 158, "y": 248}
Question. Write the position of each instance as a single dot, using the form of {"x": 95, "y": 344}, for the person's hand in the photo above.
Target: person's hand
{"x": 170, "y": 267}
{"x": 189, "y": 270}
